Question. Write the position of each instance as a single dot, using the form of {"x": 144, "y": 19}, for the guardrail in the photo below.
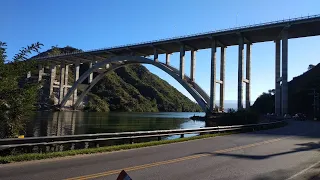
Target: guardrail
{"x": 49, "y": 141}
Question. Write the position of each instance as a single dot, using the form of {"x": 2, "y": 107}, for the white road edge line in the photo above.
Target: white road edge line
{"x": 303, "y": 171}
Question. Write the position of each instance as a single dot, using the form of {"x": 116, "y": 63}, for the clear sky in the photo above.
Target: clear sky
{"x": 98, "y": 24}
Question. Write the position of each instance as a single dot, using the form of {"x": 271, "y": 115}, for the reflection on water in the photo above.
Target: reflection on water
{"x": 70, "y": 123}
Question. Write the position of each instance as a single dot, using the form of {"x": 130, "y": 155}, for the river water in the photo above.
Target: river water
{"x": 71, "y": 123}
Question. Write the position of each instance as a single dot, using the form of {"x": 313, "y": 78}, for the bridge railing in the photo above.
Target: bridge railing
{"x": 95, "y": 139}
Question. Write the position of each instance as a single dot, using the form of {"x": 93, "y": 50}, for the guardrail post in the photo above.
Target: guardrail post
{"x": 72, "y": 146}
{"x": 42, "y": 148}
{"x": 97, "y": 145}
{"x": 159, "y": 138}
{"x": 47, "y": 148}
{"x": 182, "y": 136}
{"x": 61, "y": 147}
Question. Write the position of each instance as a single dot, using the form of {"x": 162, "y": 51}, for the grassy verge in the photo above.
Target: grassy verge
{"x": 38, "y": 156}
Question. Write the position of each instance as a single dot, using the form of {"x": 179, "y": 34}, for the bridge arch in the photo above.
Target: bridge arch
{"x": 119, "y": 61}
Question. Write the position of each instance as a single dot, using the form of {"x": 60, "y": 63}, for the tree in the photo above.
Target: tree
{"x": 16, "y": 102}
{"x": 310, "y": 66}
{"x": 264, "y": 103}
{"x": 272, "y": 91}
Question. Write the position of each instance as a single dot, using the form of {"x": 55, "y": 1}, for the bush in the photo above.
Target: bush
{"x": 234, "y": 118}
{"x": 96, "y": 104}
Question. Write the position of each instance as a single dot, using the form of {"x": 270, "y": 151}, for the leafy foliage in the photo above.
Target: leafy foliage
{"x": 96, "y": 104}
{"x": 24, "y": 52}
{"x": 16, "y": 102}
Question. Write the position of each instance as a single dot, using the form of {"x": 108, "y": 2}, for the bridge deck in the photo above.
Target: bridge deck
{"x": 298, "y": 27}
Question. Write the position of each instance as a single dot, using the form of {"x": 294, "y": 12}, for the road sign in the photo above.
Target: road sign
{"x": 123, "y": 176}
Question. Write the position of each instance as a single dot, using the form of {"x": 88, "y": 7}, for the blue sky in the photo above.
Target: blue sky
{"x": 97, "y": 24}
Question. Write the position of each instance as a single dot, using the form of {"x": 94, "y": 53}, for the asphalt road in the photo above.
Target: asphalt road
{"x": 291, "y": 152}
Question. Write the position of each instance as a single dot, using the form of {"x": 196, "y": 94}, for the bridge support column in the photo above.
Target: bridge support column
{"x": 91, "y": 74}
{"x": 52, "y": 78}
{"x": 222, "y": 78}
{"x": 66, "y": 77}
{"x": 248, "y": 74}
{"x": 277, "y": 79}
{"x": 193, "y": 65}
{"x": 61, "y": 83}
{"x": 284, "y": 89}
{"x": 213, "y": 75}
{"x": 182, "y": 53}
{"x": 41, "y": 71}
{"x": 240, "y": 73}
{"x": 167, "y": 59}
{"x": 155, "y": 55}
{"x": 76, "y": 77}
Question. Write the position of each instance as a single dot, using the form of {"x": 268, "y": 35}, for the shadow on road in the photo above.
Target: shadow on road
{"x": 281, "y": 173}
{"x": 296, "y": 128}
{"x": 303, "y": 147}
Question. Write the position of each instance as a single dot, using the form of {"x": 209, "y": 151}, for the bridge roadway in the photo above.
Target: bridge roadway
{"x": 270, "y": 31}
{"x": 290, "y": 152}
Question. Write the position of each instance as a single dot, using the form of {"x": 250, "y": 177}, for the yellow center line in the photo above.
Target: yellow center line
{"x": 133, "y": 168}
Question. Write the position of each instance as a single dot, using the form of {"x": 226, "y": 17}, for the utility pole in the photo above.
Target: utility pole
{"x": 315, "y": 103}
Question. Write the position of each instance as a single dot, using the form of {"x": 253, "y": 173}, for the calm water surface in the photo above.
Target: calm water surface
{"x": 70, "y": 123}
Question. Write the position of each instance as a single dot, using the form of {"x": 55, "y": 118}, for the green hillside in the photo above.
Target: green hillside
{"x": 135, "y": 88}
{"x": 299, "y": 98}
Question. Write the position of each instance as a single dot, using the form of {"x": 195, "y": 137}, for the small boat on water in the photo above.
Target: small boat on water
{"x": 194, "y": 117}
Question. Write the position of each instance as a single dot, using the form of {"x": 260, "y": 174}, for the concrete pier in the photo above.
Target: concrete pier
{"x": 52, "y": 78}
{"x": 91, "y": 74}
{"x": 40, "y": 74}
{"x": 155, "y": 55}
{"x": 277, "y": 78}
{"x": 284, "y": 89}
{"x": 76, "y": 77}
{"x": 61, "y": 83}
{"x": 213, "y": 74}
{"x": 222, "y": 78}
{"x": 66, "y": 78}
{"x": 193, "y": 65}
{"x": 167, "y": 59}
{"x": 240, "y": 73}
{"x": 182, "y": 54}
{"x": 248, "y": 74}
